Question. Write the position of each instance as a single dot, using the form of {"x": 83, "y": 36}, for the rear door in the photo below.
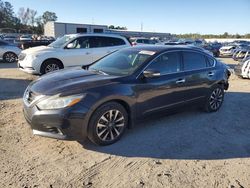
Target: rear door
{"x": 199, "y": 74}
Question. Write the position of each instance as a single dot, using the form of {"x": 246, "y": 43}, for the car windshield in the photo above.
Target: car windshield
{"x": 60, "y": 42}
{"x": 121, "y": 63}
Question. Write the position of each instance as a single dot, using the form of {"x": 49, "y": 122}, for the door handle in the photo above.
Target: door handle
{"x": 210, "y": 74}
{"x": 180, "y": 81}
{"x": 87, "y": 53}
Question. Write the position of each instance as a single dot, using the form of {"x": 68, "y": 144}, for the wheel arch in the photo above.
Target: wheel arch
{"x": 50, "y": 59}
{"x": 119, "y": 101}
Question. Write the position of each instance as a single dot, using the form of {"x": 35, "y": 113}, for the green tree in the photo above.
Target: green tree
{"x": 6, "y": 14}
{"x": 39, "y": 25}
{"x": 49, "y": 16}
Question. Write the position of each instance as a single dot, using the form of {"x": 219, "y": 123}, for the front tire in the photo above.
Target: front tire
{"x": 215, "y": 99}
{"x": 51, "y": 65}
{"x": 10, "y": 57}
{"x": 107, "y": 124}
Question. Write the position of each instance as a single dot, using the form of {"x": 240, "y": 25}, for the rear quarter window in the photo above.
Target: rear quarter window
{"x": 210, "y": 62}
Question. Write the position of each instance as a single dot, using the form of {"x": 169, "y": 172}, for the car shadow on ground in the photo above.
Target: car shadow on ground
{"x": 192, "y": 134}
{"x": 12, "y": 88}
{"x": 4, "y": 65}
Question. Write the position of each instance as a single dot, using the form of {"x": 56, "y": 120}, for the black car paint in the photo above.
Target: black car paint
{"x": 139, "y": 95}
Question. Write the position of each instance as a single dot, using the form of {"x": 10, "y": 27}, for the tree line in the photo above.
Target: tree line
{"x": 25, "y": 20}
{"x": 209, "y": 36}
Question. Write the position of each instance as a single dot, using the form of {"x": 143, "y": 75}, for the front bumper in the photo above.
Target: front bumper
{"x": 226, "y": 53}
{"x": 29, "y": 70}
{"x": 29, "y": 66}
{"x": 65, "y": 124}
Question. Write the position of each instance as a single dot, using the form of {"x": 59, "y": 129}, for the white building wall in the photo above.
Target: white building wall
{"x": 49, "y": 29}
{"x": 58, "y": 29}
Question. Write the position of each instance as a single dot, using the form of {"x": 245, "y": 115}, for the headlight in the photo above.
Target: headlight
{"x": 56, "y": 102}
{"x": 32, "y": 57}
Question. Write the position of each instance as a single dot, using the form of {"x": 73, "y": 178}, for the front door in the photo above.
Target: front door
{"x": 79, "y": 53}
{"x": 165, "y": 91}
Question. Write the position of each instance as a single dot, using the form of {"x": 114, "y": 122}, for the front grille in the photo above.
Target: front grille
{"x": 21, "y": 56}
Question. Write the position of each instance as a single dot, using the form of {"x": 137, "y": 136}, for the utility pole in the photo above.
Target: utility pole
{"x": 141, "y": 26}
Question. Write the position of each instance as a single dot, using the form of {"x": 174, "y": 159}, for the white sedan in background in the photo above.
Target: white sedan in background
{"x": 70, "y": 51}
{"x": 227, "y": 50}
{"x": 8, "y": 52}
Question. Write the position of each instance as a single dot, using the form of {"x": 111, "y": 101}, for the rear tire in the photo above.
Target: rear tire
{"x": 215, "y": 99}
{"x": 10, "y": 57}
{"x": 51, "y": 65}
{"x": 107, "y": 124}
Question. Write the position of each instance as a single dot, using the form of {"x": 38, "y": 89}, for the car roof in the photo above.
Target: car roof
{"x": 96, "y": 34}
{"x": 160, "y": 48}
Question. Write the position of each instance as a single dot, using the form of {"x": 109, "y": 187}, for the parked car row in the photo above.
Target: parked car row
{"x": 239, "y": 51}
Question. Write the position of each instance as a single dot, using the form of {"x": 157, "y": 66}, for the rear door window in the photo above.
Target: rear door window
{"x": 193, "y": 61}
{"x": 112, "y": 41}
{"x": 99, "y": 42}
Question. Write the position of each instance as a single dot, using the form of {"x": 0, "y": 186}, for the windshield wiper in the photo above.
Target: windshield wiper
{"x": 99, "y": 71}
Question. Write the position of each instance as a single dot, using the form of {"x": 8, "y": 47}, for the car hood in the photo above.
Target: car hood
{"x": 39, "y": 49}
{"x": 69, "y": 81}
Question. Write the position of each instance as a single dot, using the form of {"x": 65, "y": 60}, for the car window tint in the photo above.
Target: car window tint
{"x": 210, "y": 62}
{"x": 98, "y": 42}
{"x": 167, "y": 63}
{"x": 139, "y": 41}
{"x": 111, "y": 41}
{"x": 193, "y": 61}
{"x": 82, "y": 42}
{"x": 146, "y": 41}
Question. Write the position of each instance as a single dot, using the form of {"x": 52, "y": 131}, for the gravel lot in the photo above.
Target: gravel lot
{"x": 188, "y": 149}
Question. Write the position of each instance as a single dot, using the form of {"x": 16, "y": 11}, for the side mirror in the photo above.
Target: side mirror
{"x": 70, "y": 46}
{"x": 150, "y": 73}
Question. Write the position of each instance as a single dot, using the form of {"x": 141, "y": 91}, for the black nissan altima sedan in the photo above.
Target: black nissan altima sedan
{"x": 101, "y": 100}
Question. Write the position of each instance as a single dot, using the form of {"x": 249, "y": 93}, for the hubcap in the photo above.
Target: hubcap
{"x": 110, "y": 125}
{"x": 10, "y": 57}
{"x": 216, "y": 98}
{"x": 51, "y": 67}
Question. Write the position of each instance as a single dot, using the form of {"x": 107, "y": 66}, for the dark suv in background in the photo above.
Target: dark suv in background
{"x": 101, "y": 100}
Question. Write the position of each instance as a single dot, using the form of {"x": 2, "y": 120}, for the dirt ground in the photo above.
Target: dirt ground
{"x": 188, "y": 149}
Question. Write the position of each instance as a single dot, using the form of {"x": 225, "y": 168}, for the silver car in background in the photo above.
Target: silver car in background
{"x": 9, "y": 52}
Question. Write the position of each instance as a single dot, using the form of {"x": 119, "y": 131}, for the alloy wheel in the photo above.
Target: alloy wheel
{"x": 110, "y": 125}
{"x": 216, "y": 99}
{"x": 10, "y": 57}
{"x": 51, "y": 67}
